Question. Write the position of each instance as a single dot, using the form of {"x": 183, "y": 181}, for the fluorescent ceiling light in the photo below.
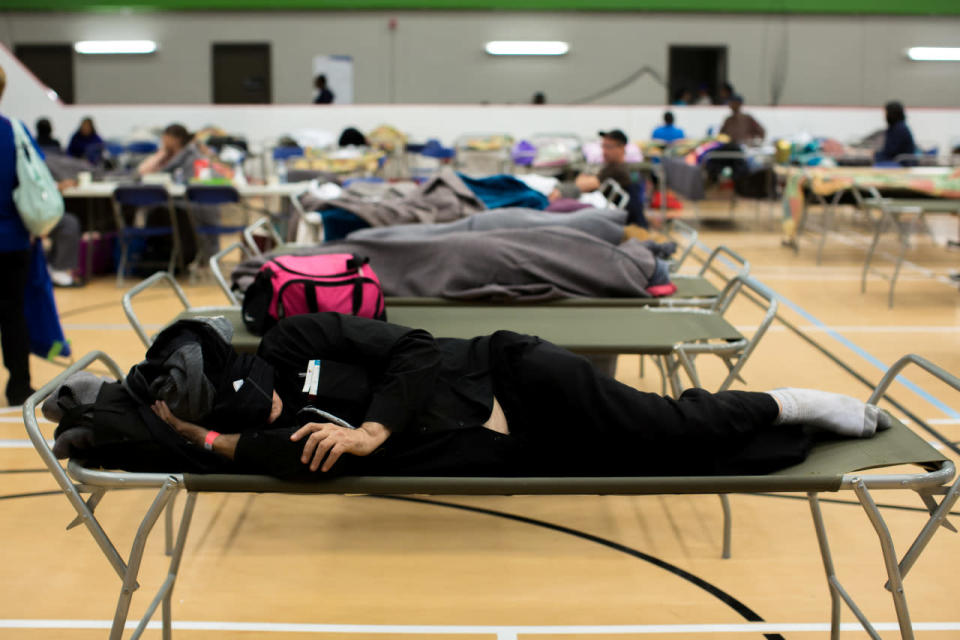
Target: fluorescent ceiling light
{"x": 527, "y": 48}
{"x": 115, "y": 46}
{"x": 934, "y": 53}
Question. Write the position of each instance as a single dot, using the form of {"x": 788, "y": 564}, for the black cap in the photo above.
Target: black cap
{"x": 615, "y": 134}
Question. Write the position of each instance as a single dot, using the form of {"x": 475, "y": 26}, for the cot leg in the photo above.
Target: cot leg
{"x": 878, "y": 229}
{"x": 828, "y": 211}
{"x": 937, "y": 517}
{"x": 165, "y": 593}
{"x": 903, "y": 230}
{"x": 727, "y": 525}
{"x": 170, "y": 487}
{"x": 827, "y": 564}
{"x": 168, "y": 526}
{"x": 889, "y": 559}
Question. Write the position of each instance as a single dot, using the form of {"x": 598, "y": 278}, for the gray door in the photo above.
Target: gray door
{"x": 241, "y": 74}
{"x": 52, "y": 64}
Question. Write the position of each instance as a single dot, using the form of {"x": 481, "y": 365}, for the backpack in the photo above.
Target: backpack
{"x": 37, "y": 198}
{"x": 293, "y": 285}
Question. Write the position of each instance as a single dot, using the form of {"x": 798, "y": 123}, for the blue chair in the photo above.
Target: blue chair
{"x": 140, "y": 196}
{"x": 285, "y": 153}
{"x": 142, "y": 147}
{"x": 210, "y": 196}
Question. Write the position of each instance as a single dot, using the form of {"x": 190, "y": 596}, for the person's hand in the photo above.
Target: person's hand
{"x": 587, "y": 183}
{"x": 332, "y": 441}
{"x": 187, "y": 429}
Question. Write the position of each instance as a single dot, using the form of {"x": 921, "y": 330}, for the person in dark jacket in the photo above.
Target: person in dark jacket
{"x": 898, "y": 140}
{"x": 324, "y": 95}
{"x": 45, "y": 139}
{"x": 15, "y": 267}
{"x": 503, "y": 404}
{"x": 85, "y": 137}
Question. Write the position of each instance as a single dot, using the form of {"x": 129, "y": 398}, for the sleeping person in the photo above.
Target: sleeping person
{"x": 500, "y": 405}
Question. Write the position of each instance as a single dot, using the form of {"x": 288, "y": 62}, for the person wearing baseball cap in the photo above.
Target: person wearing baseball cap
{"x": 614, "y": 146}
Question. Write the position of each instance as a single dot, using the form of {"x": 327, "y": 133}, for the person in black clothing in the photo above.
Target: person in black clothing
{"x": 324, "y": 95}
{"x": 898, "y": 140}
{"x": 45, "y": 139}
{"x": 504, "y": 404}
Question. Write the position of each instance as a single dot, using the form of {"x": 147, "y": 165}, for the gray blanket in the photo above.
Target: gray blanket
{"x": 443, "y": 198}
{"x": 606, "y": 224}
{"x": 540, "y": 264}
{"x": 684, "y": 179}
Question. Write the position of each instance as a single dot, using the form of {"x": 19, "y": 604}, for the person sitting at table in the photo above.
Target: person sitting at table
{"x": 502, "y": 404}
{"x": 84, "y": 140}
{"x": 668, "y": 132}
{"x": 741, "y": 127}
{"x": 45, "y": 140}
{"x": 897, "y": 140}
{"x": 177, "y": 151}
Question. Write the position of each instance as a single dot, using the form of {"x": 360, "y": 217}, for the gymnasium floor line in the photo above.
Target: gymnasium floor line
{"x": 843, "y": 340}
{"x": 501, "y": 632}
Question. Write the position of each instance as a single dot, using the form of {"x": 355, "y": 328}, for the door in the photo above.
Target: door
{"x": 241, "y": 74}
{"x": 693, "y": 67}
{"x": 52, "y": 64}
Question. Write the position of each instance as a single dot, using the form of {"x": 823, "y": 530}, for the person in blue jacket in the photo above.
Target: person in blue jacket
{"x": 668, "y": 132}
{"x": 898, "y": 140}
{"x": 15, "y": 267}
{"x": 85, "y": 137}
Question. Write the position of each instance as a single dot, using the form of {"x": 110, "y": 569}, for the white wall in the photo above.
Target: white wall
{"x": 27, "y": 99}
{"x": 437, "y": 57}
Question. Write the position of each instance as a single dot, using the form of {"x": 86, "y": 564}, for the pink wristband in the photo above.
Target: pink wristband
{"x": 208, "y": 441}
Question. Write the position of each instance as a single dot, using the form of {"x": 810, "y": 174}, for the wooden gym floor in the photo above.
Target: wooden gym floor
{"x": 360, "y": 568}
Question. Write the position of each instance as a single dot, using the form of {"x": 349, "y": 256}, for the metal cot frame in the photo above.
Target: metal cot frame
{"x": 77, "y": 480}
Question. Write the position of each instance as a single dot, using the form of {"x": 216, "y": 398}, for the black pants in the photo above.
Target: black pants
{"x": 14, "y": 338}
{"x": 570, "y": 420}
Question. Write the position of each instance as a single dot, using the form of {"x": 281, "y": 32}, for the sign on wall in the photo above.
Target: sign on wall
{"x": 339, "y": 72}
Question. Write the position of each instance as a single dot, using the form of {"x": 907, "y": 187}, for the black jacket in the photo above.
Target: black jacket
{"x": 376, "y": 371}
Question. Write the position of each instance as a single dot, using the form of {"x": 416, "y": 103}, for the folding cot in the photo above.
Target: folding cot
{"x": 903, "y": 215}
{"x": 672, "y": 337}
{"x": 832, "y": 466}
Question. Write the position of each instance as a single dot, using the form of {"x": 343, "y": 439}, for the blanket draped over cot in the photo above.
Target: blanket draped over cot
{"x": 546, "y": 263}
{"x": 605, "y": 224}
{"x": 828, "y": 181}
{"x": 443, "y": 198}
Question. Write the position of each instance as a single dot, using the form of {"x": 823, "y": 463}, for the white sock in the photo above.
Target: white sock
{"x": 830, "y": 411}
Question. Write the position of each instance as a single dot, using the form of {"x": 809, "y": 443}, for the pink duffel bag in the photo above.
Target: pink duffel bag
{"x": 293, "y": 285}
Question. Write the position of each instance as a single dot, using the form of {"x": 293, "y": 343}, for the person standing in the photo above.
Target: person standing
{"x": 741, "y": 127}
{"x": 15, "y": 267}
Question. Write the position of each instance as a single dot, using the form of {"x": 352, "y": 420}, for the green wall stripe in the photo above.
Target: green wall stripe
{"x": 896, "y": 7}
